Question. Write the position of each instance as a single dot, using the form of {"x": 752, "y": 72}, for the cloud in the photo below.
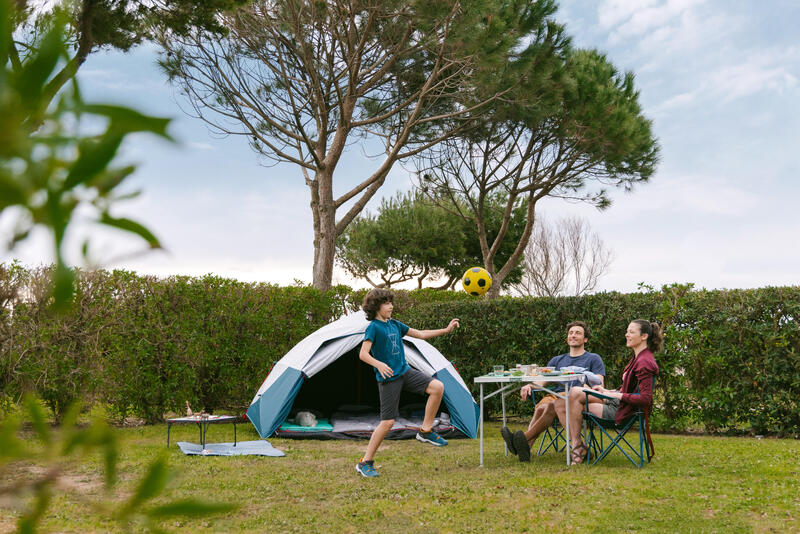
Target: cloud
{"x": 118, "y": 81}
{"x": 765, "y": 70}
{"x": 696, "y": 53}
{"x": 714, "y": 258}
{"x": 773, "y": 70}
{"x": 612, "y": 12}
{"x": 632, "y": 18}
{"x": 200, "y": 145}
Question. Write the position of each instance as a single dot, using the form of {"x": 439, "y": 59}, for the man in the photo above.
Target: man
{"x": 549, "y": 407}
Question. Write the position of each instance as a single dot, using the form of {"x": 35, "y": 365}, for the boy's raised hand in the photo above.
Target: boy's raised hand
{"x": 454, "y": 323}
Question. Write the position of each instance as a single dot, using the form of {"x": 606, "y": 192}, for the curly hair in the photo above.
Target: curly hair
{"x": 373, "y": 300}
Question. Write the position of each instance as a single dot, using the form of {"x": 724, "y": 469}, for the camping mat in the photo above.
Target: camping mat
{"x": 256, "y": 448}
{"x": 449, "y": 432}
{"x": 347, "y": 422}
{"x": 346, "y": 425}
{"x": 323, "y": 425}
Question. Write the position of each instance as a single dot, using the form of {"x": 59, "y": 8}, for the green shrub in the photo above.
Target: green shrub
{"x": 730, "y": 360}
{"x": 144, "y": 346}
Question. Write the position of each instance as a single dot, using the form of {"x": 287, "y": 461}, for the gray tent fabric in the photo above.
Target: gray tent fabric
{"x": 312, "y": 355}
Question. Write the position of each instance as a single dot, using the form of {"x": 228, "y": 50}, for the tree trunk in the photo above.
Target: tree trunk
{"x": 517, "y": 255}
{"x": 324, "y": 249}
{"x": 324, "y": 211}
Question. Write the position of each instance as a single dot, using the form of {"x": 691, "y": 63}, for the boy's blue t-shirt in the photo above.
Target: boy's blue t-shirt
{"x": 387, "y": 346}
{"x": 588, "y": 360}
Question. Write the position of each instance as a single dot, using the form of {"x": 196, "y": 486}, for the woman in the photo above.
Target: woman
{"x": 636, "y": 392}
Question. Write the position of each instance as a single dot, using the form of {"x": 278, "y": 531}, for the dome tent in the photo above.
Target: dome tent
{"x": 328, "y": 358}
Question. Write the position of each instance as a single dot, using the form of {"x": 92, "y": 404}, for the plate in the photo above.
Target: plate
{"x": 552, "y": 373}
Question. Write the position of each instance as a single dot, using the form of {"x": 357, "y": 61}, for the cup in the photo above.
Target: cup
{"x": 534, "y": 370}
{"x": 498, "y": 370}
{"x": 526, "y": 370}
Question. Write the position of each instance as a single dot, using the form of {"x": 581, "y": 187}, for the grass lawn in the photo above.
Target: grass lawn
{"x": 694, "y": 484}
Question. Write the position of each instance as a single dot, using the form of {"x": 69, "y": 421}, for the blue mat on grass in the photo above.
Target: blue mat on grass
{"x": 256, "y": 448}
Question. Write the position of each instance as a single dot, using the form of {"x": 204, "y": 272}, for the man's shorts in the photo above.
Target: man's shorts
{"x": 412, "y": 380}
{"x": 548, "y": 399}
{"x": 610, "y": 408}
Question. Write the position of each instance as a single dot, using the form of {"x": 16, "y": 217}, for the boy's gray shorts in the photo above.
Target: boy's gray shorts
{"x": 412, "y": 380}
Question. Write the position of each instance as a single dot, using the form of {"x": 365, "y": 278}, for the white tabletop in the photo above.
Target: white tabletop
{"x": 497, "y": 379}
{"x": 508, "y": 383}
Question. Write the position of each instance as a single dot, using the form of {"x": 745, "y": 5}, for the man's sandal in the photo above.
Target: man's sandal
{"x": 579, "y": 454}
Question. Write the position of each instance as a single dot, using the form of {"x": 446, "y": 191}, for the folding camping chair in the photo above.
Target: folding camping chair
{"x": 605, "y": 434}
{"x": 553, "y": 436}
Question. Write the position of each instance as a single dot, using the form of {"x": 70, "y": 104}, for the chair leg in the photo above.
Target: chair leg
{"x": 614, "y": 442}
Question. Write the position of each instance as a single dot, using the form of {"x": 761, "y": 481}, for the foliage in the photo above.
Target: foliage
{"x": 49, "y": 168}
{"x": 34, "y": 467}
{"x": 143, "y": 346}
{"x": 407, "y": 239}
{"x": 410, "y": 237}
{"x": 694, "y": 484}
{"x": 562, "y": 258}
{"x": 568, "y": 135}
{"x": 730, "y": 360}
{"x": 93, "y": 25}
{"x": 303, "y": 80}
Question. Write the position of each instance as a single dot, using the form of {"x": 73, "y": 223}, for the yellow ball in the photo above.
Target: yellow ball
{"x": 476, "y": 281}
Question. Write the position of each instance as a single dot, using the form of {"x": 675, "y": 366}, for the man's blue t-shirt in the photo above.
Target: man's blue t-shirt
{"x": 589, "y": 360}
{"x": 387, "y": 346}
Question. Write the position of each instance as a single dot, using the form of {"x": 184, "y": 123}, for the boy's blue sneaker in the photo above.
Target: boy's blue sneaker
{"x": 366, "y": 469}
{"x": 431, "y": 437}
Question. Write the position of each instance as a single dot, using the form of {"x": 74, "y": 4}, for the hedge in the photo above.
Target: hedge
{"x": 730, "y": 362}
{"x": 143, "y": 346}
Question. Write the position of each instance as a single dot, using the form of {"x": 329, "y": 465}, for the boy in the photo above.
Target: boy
{"x": 383, "y": 349}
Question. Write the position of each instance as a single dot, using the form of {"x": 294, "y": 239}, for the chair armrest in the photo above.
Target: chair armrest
{"x": 596, "y": 394}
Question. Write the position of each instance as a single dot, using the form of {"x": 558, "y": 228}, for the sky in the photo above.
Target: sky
{"x": 720, "y": 80}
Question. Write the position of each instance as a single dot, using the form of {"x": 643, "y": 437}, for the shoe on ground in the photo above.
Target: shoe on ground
{"x": 522, "y": 446}
{"x": 366, "y": 469}
{"x": 431, "y": 437}
{"x": 508, "y": 437}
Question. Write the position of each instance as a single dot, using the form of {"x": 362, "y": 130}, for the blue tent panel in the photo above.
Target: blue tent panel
{"x": 464, "y": 411}
{"x": 271, "y": 409}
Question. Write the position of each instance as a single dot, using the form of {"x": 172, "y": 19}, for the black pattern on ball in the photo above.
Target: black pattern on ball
{"x": 476, "y": 281}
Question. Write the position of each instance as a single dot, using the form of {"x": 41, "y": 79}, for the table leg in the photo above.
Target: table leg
{"x": 234, "y": 433}
{"x": 503, "y": 403}
{"x": 169, "y": 425}
{"x": 568, "y": 440}
{"x": 481, "y": 421}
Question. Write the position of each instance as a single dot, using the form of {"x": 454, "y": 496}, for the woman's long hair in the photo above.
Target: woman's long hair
{"x": 655, "y": 339}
